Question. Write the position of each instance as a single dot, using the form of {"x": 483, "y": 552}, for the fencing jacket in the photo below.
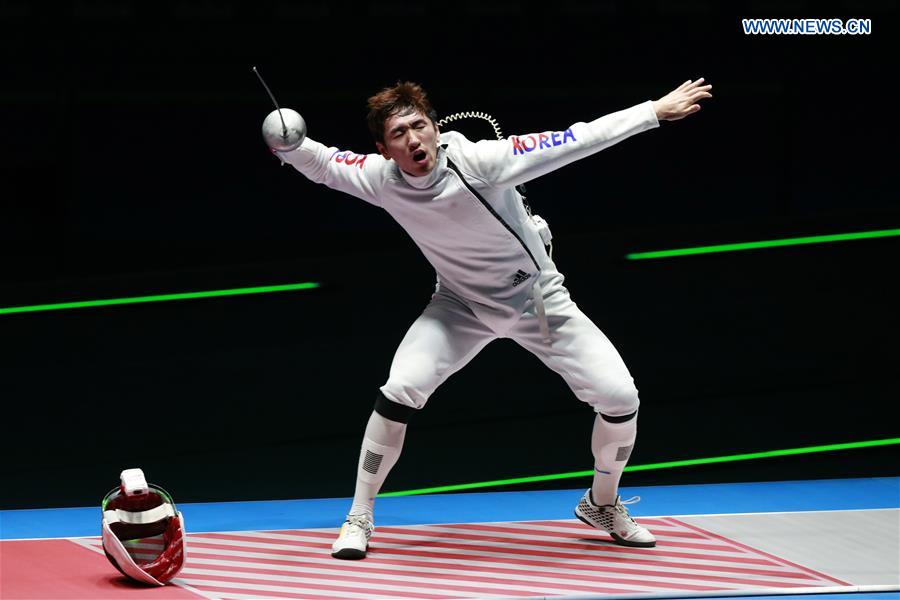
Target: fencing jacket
{"x": 466, "y": 215}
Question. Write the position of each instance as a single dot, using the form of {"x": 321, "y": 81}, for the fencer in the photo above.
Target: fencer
{"x": 457, "y": 200}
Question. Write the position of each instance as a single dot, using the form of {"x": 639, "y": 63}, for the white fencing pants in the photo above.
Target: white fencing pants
{"x": 448, "y": 335}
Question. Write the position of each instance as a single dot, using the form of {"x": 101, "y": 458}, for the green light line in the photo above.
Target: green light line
{"x": 161, "y": 298}
{"x": 648, "y": 467}
{"x": 815, "y": 239}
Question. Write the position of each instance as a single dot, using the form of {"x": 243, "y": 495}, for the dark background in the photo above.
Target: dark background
{"x": 132, "y": 164}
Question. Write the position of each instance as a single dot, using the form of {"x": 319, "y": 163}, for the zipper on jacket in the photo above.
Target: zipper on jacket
{"x": 481, "y": 199}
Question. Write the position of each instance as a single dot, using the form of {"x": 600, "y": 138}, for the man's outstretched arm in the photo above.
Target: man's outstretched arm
{"x": 521, "y": 158}
{"x": 284, "y": 131}
{"x": 355, "y": 174}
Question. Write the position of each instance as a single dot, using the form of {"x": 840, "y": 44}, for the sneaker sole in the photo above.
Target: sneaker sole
{"x": 623, "y": 542}
{"x": 617, "y": 538}
{"x": 350, "y": 554}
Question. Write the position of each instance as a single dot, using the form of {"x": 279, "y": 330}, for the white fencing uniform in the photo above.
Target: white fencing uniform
{"x": 495, "y": 278}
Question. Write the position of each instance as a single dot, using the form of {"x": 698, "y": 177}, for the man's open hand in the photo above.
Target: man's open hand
{"x": 681, "y": 101}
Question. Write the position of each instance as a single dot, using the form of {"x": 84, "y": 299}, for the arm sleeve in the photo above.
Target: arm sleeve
{"x": 357, "y": 174}
{"x": 521, "y": 158}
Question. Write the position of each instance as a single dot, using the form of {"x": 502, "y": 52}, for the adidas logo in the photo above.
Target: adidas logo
{"x": 520, "y": 277}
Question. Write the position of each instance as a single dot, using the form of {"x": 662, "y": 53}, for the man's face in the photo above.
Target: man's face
{"x": 411, "y": 140}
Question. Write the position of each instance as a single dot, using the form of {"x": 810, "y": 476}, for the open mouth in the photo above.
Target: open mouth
{"x": 419, "y": 156}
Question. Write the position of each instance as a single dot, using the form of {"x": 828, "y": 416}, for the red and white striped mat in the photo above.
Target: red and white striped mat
{"x": 484, "y": 560}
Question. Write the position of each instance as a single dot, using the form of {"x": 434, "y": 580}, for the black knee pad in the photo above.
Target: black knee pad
{"x": 621, "y": 419}
{"x": 393, "y": 411}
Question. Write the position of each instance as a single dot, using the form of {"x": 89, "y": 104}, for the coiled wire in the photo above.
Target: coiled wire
{"x": 473, "y": 115}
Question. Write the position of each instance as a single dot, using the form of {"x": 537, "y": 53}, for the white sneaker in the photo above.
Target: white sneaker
{"x": 353, "y": 541}
{"x": 614, "y": 519}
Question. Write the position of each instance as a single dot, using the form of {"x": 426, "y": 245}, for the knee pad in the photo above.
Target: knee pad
{"x": 393, "y": 411}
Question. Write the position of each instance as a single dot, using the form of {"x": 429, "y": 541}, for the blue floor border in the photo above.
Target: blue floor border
{"x": 721, "y": 498}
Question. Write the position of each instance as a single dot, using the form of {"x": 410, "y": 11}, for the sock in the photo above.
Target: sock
{"x": 611, "y": 444}
{"x": 381, "y": 447}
